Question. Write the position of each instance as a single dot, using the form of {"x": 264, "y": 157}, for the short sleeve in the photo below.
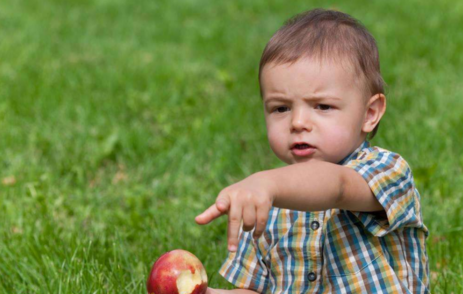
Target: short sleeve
{"x": 390, "y": 179}
{"x": 245, "y": 268}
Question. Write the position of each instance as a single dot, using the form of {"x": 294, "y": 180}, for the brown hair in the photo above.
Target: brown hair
{"x": 323, "y": 34}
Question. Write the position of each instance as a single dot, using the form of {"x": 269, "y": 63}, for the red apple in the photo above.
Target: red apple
{"x": 177, "y": 272}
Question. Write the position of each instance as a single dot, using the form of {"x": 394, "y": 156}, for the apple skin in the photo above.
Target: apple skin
{"x": 177, "y": 266}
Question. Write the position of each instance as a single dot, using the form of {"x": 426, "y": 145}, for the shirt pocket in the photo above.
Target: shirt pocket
{"x": 348, "y": 246}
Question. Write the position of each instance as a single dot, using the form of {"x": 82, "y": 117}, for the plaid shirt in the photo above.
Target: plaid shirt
{"x": 339, "y": 251}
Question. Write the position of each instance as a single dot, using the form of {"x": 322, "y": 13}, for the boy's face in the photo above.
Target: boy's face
{"x": 318, "y": 103}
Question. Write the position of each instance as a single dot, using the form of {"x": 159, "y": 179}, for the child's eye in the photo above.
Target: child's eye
{"x": 323, "y": 107}
{"x": 281, "y": 109}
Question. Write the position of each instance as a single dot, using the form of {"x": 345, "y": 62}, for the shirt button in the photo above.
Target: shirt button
{"x": 312, "y": 276}
{"x": 315, "y": 225}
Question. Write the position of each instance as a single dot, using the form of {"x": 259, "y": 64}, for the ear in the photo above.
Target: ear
{"x": 376, "y": 106}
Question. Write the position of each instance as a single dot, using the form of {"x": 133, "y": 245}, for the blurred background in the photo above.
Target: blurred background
{"x": 121, "y": 120}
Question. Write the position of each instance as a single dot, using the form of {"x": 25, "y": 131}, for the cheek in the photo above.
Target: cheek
{"x": 337, "y": 139}
{"x": 338, "y": 134}
{"x": 343, "y": 130}
{"x": 275, "y": 137}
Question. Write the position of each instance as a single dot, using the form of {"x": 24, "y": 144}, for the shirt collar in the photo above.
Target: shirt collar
{"x": 353, "y": 155}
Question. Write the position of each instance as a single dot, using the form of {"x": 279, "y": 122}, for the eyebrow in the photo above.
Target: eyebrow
{"x": 308, "y": 98}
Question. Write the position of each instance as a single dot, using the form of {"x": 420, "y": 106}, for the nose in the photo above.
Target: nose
{"x": 301, "y": 121}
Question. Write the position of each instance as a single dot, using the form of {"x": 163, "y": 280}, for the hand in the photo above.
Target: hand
{"x": 249, "y": 201}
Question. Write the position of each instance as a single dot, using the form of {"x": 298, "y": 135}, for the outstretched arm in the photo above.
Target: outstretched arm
{"x": 319, "y": 185}
{"x": 309, "y": 186}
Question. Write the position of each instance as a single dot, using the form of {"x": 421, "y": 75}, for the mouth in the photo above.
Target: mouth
{"x": 302, "y": 149}
{"x": 301, "y": 145}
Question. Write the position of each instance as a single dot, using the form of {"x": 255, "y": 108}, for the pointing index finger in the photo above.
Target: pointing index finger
{"x": 208, "y": 215}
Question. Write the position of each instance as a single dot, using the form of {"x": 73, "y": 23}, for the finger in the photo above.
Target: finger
{"x": 261, "y": 221}
{"x": 249, "y": 217}
{"x": 223, "y": 202}
{"x": 234, "y": 225}
{"x": 208, "y": 215}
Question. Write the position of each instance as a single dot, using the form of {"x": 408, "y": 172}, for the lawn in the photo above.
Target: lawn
{"x": 121, "y": 120}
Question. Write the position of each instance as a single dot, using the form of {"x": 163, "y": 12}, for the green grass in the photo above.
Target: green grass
{"x": 122, "y": 120}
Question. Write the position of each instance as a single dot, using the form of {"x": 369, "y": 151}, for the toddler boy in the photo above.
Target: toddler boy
{"x": 342, "y": 216}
